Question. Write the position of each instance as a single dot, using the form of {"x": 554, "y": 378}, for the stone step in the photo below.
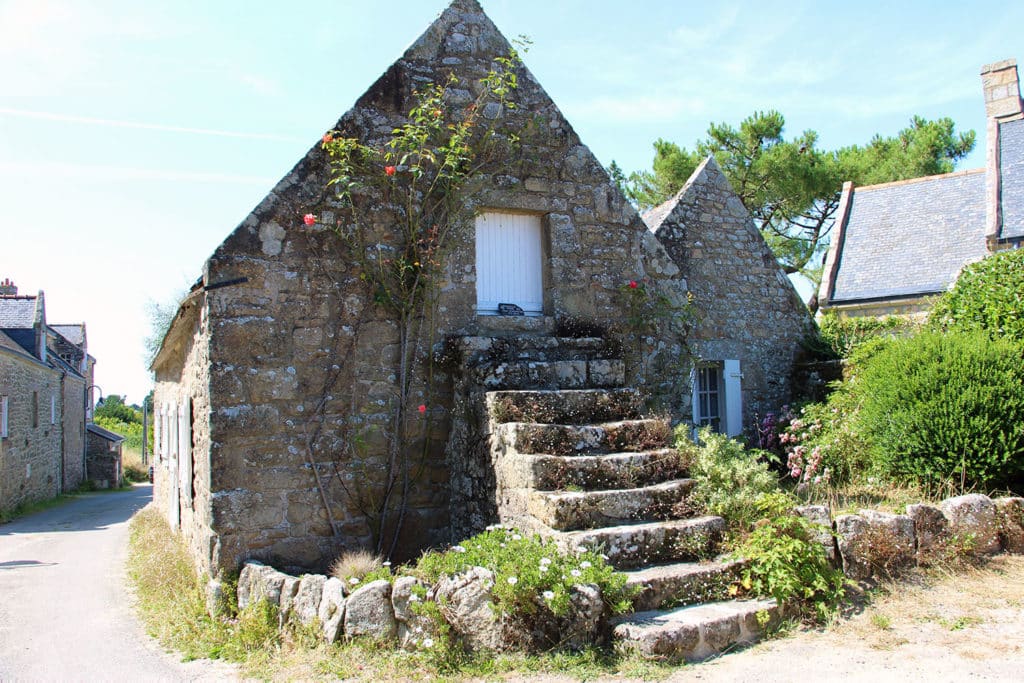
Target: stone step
{"x": 683, "y": 583}
{"x": 696, "y": 632}
{"x": 556, "y": 374}
{"x": 630, "y": 546}
{"x": 592, "y": 472}
{"x": 477, "y": 351}
{"x": 571, "y": 510}
{"x": 571, "y": 406}
{"x": 609, "y": 437}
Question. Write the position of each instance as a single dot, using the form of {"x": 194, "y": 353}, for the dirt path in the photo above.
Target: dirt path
{"x": 64, "y": 607}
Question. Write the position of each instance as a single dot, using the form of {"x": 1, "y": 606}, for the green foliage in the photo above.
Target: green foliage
{"x": 114, "y": 408}
{"x": 730, "y": 479}
{"x": 790, "y": 186}
{"x": 786, "y": 562}
{"x": 530, "y": 574}
{"x": 826, "y": 428}
{"x": 839, "y": 337}
{"x": 130, "y": 430}
{"x": 935, "y": 407}
{"x": 988, "y": 295}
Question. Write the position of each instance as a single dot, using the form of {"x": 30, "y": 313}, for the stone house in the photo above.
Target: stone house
{"x": 43, "y": 381}
{"x": 898, "y": 245}
{"x": 296, "y": 415}
{"x": 103, "y": 456}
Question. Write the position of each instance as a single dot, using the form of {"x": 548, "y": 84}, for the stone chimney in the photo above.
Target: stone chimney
{"x": 8, "y": 288}
{"x": 1002, "y": 89}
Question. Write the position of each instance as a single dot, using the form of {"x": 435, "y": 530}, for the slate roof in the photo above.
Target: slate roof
{"x": 910, "y": 237}
{"x": 104, "y": 433}
{"x": 1011, "y": 176}
{"x": 8, "y": 343}
{"x": 17, "y": 312}
{"x": 73, "y": 333}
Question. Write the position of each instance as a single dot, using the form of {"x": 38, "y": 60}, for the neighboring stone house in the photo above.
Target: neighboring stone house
{"x": 103, "y": 456}
{"x": 43, "y": 381}
{"x": 897, "y": 246}
{"x": 280, "y": 431}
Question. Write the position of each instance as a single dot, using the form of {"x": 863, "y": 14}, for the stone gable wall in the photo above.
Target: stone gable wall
{"x": 30, "y": 457}
{"x": 299, "y": 354}
{"x": 747, "y": 308}
{"x": 73, "y": 424}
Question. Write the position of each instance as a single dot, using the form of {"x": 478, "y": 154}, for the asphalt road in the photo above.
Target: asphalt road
{"x": 65, "y": 608}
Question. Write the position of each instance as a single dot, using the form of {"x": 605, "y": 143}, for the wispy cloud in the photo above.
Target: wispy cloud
{"x": 99, "y": 172}
{"x": 116, "y": 123}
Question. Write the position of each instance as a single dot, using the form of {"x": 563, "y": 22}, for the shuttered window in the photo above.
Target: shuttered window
{"x": 509, "y": 262}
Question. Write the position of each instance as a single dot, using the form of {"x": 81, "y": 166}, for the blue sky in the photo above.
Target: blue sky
{"x": 134, "y": 136}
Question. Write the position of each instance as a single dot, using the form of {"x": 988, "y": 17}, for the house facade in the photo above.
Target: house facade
{"x": 296, "y": 415}
{"x": 897, "y": 246}
{"x": 43, "y": 381}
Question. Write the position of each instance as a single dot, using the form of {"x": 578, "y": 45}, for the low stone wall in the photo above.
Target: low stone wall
{"x": 386, "y": 611}
{"x": 872, "y": 543}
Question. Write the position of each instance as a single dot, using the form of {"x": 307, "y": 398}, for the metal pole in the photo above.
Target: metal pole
{"x": 145, "y": 424}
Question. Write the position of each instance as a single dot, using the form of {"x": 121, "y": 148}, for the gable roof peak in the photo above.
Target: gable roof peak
{"x": 707, "y": 172}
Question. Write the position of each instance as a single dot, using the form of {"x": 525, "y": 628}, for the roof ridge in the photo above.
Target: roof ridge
{"x": 921, "y": 179}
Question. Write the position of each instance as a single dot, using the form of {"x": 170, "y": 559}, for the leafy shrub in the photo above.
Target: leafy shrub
{"x": 729, "y": 477}
{"x": 131, "y": 431}
{"x": 786, "y": 562}
{"x": 530, "y": 574}
{"x": 988, "y": 295}
{"x": 821, "y": 446}
{"x": 135, "y": 473}
{"x": 938, "y": 406}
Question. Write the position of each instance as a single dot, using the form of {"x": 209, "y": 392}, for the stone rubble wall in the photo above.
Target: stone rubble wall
{"x": 875, "y": 544}
{"x": 747, "y": 308}
{"x": 386, "y": 610}
{"x": 30, "y": 456}
{"x": 72, "y": 411}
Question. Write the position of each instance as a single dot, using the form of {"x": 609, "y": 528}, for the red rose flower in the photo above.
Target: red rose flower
{"x": 389, "y": 170}
{"x": 422, "y": 409}
{"x": 309, "y": 219}
{"x": 633, "y": 284}
{"x": 327, "y": 138}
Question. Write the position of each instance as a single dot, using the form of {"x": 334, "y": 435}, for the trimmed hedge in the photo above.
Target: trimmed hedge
{"x": 944, "y": 406}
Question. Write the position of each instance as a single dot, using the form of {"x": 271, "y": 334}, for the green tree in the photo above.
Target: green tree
{"x": 792, "y": 187}
{"x": 114, "y": 408}
{"x": 988, "y": 295}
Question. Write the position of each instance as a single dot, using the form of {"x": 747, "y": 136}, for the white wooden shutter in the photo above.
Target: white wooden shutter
{"x": 185, "y": 447}
{"x": 509, "y": 262}
{"x": 174, "y": 504}
{"x": 733, "y": 397}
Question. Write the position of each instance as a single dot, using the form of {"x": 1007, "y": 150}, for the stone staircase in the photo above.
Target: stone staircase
{"x": 576, "y": 460}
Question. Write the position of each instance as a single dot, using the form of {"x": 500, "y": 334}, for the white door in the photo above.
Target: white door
{"x": 509, "y": 259}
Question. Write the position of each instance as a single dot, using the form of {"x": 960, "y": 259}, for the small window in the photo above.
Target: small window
{"x": 3, "y": 417}
{"x": 708, "y": 402}
{"x": 718, "y": 397}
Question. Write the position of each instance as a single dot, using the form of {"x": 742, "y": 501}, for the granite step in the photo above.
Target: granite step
{"x": 608, "y": 437}
{"x": 631, "y": 546}
{"x": 571, "y": 510}
{"x": 696, "y": 632}
{"x": 477, "y": 351}
{"x": 557, "y": 374}
{"x": 571, "y": 406}
{"x": 683, "y": 583}
{"x": 592, "y": 472}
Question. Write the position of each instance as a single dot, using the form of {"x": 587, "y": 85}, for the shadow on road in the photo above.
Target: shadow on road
{"x": 85, "y": 512}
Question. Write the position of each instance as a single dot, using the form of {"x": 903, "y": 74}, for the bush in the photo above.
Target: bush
{"x": 786, "y": 562}
{"x": 530, "y": 574}
{"x": 729, "y": 478}
{"x": 934, "y": 407}
{"x": 988, "y": 295}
